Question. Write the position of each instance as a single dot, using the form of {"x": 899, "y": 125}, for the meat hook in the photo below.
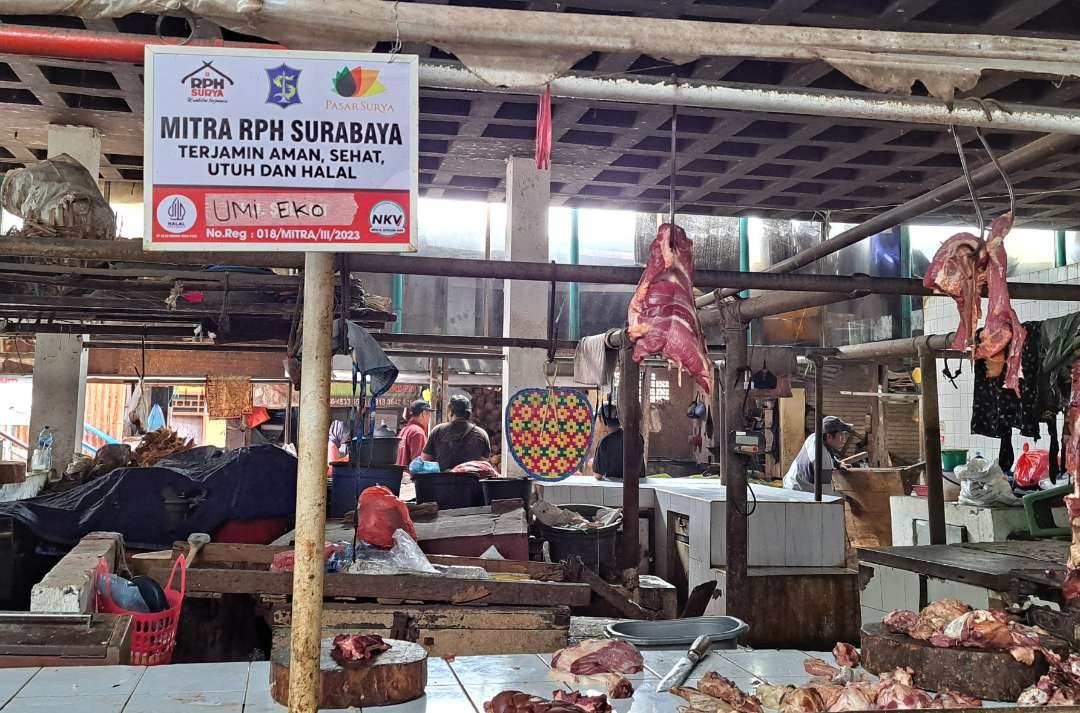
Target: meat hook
{"x": 674, "y": 157}
{"x": 970, "y": 185}
{"x": 1004, "y": 177}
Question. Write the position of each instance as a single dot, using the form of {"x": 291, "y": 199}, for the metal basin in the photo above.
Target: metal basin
{"x": 724, "y": 631}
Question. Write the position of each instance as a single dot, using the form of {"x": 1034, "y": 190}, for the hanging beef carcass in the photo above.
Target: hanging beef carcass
{"x": 663, "y": 317}
{"x": 1003, "y": 332}
{"x": 1070, "y": 589}
{"x": 962, "y": 266}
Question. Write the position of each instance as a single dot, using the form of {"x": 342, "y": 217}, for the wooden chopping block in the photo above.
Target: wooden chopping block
{"x": 992, "y": 675}
{"x": 394, "y": 676}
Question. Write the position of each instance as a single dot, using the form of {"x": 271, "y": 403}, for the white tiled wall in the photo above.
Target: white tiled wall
{"x": 954, "y": 405}
{"x": 889, "y": 589}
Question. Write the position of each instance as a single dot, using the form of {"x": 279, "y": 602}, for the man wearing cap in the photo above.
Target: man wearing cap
{"x": 414, "y": 434}
{"x": 460, "y": 440}
{"x": 800, "y": 475}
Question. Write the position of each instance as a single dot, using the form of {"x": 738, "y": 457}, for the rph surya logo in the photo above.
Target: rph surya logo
{"x": 176, "y": 213}
{"x": 357, "y": 82}
{"x": 207, "y": 84}
{"x": 387, "y": 219}
{"x": 284, "y": 86}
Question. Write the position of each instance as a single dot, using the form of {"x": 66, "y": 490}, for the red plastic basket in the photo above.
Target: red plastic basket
{"x": 153, "y": 636}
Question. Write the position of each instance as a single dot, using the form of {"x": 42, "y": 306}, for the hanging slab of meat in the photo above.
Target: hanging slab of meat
{"x": 1002, "y": 340}
{"x": 1070, "y": 588}
{"x": 957, "y": 271}
{"x": 663, "y": 318}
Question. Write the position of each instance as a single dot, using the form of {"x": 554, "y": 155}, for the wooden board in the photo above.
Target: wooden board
{"x": 792, "y": 427}
{"x": 989, "y": 565}
{"x": 468, "y": 532}
{"x": 445, "y": 629}
{"x": 77, "y": 640}
{"x": 867, "y": 514}
{"x": 424, "y": 588}
{"x": 394, "y": 676}
{"x": 990, "y": 675}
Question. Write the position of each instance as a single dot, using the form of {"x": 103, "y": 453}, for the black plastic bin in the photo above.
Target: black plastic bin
{"x": 449, "y": 491}
{"x": 506, "y": 489}
{"x": 592, "y": 546}
{"x": 347, "y": 482}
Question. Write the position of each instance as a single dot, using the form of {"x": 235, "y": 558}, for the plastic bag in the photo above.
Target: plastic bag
{"x": 1031, "y": 467}
{"x": 983, "y": 484}
{"x": 404, "y": 556}
{"x": 421, "y": 466}
{"x": 285, "y": 561}
{"x": 381, "y": 515}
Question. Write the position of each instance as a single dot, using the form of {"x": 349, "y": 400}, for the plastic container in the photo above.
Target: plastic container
{"x": 952, "y": 457}
{"x": 592, "y": 546}
{"x": 153, "y": 636}
{"x": 347, "y": 482}
{"x": 449, "y": 491}
{"x": 506, "y": 489}
{"x": 723, "y": 631}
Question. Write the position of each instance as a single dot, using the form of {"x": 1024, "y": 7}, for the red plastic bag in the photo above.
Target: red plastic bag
{"x": 1031, "y": 467}
{"x": 285, "y": 561}
{"x": 381, "y": 515}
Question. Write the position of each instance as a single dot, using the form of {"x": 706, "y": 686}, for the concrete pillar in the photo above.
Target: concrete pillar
{"x": 59, "y": 359}
{"x": 528, "y": 193}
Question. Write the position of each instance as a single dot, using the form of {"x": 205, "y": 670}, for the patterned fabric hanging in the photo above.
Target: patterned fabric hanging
{"x": 543, "y": 131}
{"x": 549, "y": 431}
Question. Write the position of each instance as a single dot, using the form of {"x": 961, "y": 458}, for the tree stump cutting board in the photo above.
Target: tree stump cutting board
{"x": 394, "y": 676}
{"x": 992, "y": 675}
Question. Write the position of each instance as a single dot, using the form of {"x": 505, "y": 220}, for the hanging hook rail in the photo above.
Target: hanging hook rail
{"x": 1004, "y": 176}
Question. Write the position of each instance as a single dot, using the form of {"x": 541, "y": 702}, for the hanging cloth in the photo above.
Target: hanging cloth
{"x": 543, "y": 131}
{"x": 228, "y": 396}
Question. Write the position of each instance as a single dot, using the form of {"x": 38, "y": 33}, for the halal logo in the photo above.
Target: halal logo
{"x": 358, "y": 82}
{"x": 284, "y": 86}
{"x": 207, "y": 83}
{"x": 177, "y": 211}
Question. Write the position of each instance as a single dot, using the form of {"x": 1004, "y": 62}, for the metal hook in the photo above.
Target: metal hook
{"x": 190, "y": 19}
{"x": 674, "y": 156}
{"x": 1004, "y": 177}
{"x": 970, "y": 185}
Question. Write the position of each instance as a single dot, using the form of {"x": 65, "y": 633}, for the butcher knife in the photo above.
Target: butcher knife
{"x": 678, "y": 673}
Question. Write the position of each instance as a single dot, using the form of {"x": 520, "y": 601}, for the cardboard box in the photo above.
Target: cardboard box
{"x": 12, "y": 472}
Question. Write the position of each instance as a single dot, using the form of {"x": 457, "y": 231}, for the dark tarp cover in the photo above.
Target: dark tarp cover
{"x": 194, "y": 491}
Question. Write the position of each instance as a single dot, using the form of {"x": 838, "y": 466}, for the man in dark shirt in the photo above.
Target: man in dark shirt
{"x": 608, "y": 462}
{"x": 460, "y": 440}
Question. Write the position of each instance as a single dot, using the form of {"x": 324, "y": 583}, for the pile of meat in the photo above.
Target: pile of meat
{"x": 833, "y": 688}
{"x": 357, "y": 648}
{"x": 663, "y": 317}
{"x": 962, "y": 266}
{"x": 949, "y": 623}
{"x": 599, "y": 664}
{"x": 564, "y": 702}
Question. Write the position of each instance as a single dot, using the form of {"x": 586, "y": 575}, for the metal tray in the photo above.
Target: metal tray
{"x": 724, "y": 631}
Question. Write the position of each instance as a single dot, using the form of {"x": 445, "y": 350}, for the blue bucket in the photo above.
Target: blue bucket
{"x": 348, "y": 482}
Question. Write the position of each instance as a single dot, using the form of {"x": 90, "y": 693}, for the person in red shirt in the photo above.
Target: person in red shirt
{"x": 415, "y": 433}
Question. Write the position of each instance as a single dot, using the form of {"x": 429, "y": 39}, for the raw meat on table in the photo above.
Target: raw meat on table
{"x": 846, "y": 655}
{"x": 589, "y": 704}
{"x": 598, "y": 663}
{"x": 663, "y": 317}
{"x": 900, "y": 621}
{"x": 715, "y": 685}
{"x": 357, "y": 648}
{"x": 820, "y": 669}
{"x": 951, "y": 699}
{"x": 897, "y": 692}
{"x": 802, "y": 700}
{"x": 853, "y": 698}
{"x": 518, "y": 702}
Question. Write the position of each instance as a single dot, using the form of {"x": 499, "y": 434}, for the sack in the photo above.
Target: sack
{"x": 1031, "y": 467}
{"x": 983, "y": 484}
{"x": 419, "y": 466}
{"x": 381, "y": 514}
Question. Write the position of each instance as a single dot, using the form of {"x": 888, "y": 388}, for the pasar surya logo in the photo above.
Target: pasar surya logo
{"x": 358, "y": 82}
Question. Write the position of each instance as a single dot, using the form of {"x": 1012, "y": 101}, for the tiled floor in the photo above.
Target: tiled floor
{"x": 460, "y": 686}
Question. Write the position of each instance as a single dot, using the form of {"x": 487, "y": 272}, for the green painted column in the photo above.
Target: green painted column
{"x": 744, "y": 249}
{"x": 397, "y": 297}
{"x": 1060, "y": 258}
{"x": 905, "y": 271}
{"x": 574, "y": 306}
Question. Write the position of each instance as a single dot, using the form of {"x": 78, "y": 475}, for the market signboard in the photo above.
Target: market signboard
{"x": 278, "y": 150}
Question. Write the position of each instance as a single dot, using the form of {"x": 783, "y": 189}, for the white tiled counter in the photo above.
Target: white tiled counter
{"x": 787, "y": 528}
{"x": 461, "y": 686}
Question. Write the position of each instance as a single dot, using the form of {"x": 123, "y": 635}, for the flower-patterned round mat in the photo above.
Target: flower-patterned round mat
{"x": 549, "y": 431}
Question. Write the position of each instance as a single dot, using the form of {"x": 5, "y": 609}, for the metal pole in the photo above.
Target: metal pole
{"x": 1025, "y": 156}
{"x": 573, "y": 305}
{"x": 735, "y": 471}
{"x": 905, "y": 271}
{"x": 1060, "y": 258}
{"x": 928, "y": 408}
{"x": 630, "y": 419}
{"x": 307, "y": 593}
{"x": 397, "y": 297}
{"x": 898, "y": 348}
{"x": 131, "y": 251}
{"x": 819, "y": 415}
{"x": 744, "y": 249}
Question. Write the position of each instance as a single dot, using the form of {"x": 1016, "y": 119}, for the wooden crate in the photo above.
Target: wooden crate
{"x": 866, "y": 504}
{"x": 441, "y": 629}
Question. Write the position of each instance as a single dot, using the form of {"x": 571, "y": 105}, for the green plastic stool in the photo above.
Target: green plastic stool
{"x": 1040, "y": 519}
